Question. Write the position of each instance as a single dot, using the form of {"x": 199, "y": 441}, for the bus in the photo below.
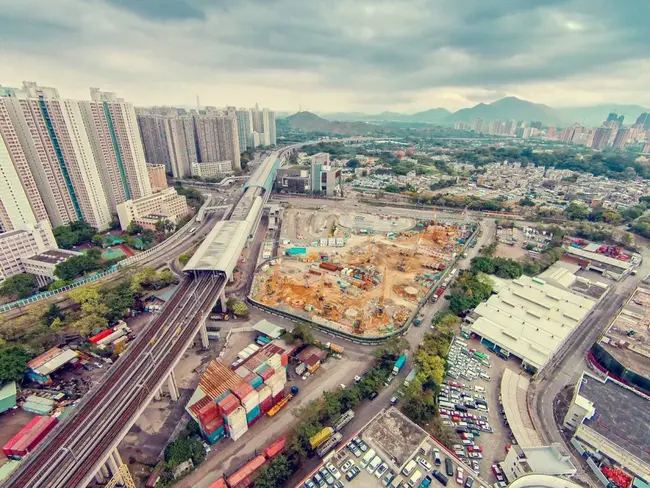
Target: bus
{"x": 447, "y": 405}
{"x": 192, "y": 230}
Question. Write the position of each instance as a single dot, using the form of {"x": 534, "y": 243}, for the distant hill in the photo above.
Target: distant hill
{"x": 431, "y": 116}
{"x": 310, "y": 122}
{"x": 509, "y": 108}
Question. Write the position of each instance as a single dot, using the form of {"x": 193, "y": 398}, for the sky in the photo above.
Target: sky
{"x": 332, "y": 55}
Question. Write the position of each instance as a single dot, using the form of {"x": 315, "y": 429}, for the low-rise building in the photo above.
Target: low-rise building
{"x": 26, "y": 250}
{"x": 157, "y": 177}
{"x": 610, "y": 423}
{"x": 593, "y": 261}
{"x": 164, "y": 205}
{"x": 549, "y": 460}
{"x": 530, "y": 318}
{"x": 215, "y": 169}
{"x": 293, "y": 180}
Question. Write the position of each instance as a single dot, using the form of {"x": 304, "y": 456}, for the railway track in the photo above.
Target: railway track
{"x": 71, "y": 454}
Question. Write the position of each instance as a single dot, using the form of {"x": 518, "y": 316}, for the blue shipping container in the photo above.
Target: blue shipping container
{"x": 253, "y": 414}
{"x": 222, "y": 396}
{"x": 218, "y": 434}
{"x": 255, "y": 382}
{"x": 292, "y": 251}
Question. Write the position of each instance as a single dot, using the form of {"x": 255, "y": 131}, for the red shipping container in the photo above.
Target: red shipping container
{"x": 267, "y": 373}
{"x": 275, "y": 448}
{"x": 266, "y": 404}
{"x": 246, "y": 471}
{"x": 228, "y": 404}
{"x": 245, "y": 483}
{"x": 208, "y": 412}
{"x": 38, "y": 432}
{"x": 22, "y": 433}
{"x": 242, "y": 390}
{"x": 329, "y": 266}
{"x": 104, "y": 333}
{"x": 278, "y": 397}
{"x": 213, "y": 425}
{"x": 284, "y": 359}
{"x": 220, "y": 483}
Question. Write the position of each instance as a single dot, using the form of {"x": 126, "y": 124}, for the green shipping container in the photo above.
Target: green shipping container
{"x": 8, "y": 396}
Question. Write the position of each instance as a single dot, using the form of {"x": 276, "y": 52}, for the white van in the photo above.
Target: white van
{"x": 376, "y": 461}
{"x": 367, "y": 458}
{"x": 397, "y": 482}
{"x": 408, "y": 469}
{"x": 480, "y": 389}
{"x": 415, "y": 479}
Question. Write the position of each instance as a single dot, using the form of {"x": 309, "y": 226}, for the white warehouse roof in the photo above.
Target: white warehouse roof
{"x": 531, "y": 318}
{"x": 221, "y": 248}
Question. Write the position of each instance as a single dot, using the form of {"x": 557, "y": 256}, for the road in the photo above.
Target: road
{"x": 569, "y": 363}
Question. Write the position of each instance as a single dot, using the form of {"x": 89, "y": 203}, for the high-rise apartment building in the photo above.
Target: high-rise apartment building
{"x": 154, "y": 139}
{"x": 115, "y": 139}
{"x": 217, "y": 139}
{"x": 622, "y": 138}
{"x": 181, "y": 141}
{"x": 643, "y": 121}
{"x": 20, "y": 202}
{"x": 272, "y": 129}
{"x": 601, "y": 137}
{"x": 244, "y": 126}
{"x": 54, "y": 138}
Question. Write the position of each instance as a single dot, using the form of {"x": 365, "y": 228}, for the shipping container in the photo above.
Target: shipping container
{"x": 328, "y": 266}
{"x": 154, "y": 476}
{"x": 213, "y": 425}
{"x": 275, "y": 448}
{"x": 119, "y": 332}
{"x": 96, "y": 338}
{"x": 217, "y": 435}
{"x": 8, "y": 446}
{"x": 33, "y": 436}
{"x": 343, "y": 420}
{"x": 253, "y": 414}
{"x": 220, "y": 483}
{"x": 228, "y": 404}
{"x": 246, "y": 471}
{"x": 254, "y": 380}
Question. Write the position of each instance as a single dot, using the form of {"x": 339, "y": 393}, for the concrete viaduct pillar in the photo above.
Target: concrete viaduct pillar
{"x": 222, "y": 302}
{"x": 203, "y": 331}
{"x": 173, "y": 388}
{"x": 114, "y": 466}
{"x": 158, "y": 394}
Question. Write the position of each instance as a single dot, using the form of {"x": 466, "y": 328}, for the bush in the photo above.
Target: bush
{"x": 19, "y": 286}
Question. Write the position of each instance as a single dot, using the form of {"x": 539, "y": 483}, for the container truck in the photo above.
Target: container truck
{"x": 344, "y": 420}
{"x": 329, "y": 444}
{"x": 399, "y": 364}
{"x": 439, "y": 292}
{"x": 321, "y": 437}
{"x": 335, "y": 347}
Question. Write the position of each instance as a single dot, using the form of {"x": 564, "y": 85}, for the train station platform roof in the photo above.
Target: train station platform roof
{"x": 221, "y": 248}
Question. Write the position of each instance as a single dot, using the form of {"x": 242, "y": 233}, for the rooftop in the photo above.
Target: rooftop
{"x": 628, "y": 337}
{"x": 549, "y": 460}
{"x": 530, "y": 317}
{"x": 267, "y": 328}
{"x": 53, "y": 256}
{"x": 616, "y": 264}
{"x": 513, "y": 394}
{"x": 220, "y": 249}
{"x": 620, "y": 413}
{"x": 542, "y": 481}
{"x": 395, "y": 435}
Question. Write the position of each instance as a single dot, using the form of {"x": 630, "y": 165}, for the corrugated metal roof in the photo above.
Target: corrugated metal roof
{"x": 267, "y": 328}
{"x": 8, "y": 390}
{"x": 56, "y": 362}
{"x": 221, "y": 248}
{"x": 217, "y": 379}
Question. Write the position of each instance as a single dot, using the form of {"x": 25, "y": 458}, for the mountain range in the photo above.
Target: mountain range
{"x": 503, "y": 109}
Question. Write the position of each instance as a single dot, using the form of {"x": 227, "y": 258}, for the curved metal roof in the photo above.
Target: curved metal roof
{"x": 221, "y": 248}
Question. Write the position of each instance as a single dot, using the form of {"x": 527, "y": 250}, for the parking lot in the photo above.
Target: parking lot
{"x": 391, "y": 451}
{"x": 472, "y": 383}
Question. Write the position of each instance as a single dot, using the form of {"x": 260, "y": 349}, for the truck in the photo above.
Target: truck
{"x": 219, "y": 316}
{"x": 329, "y": 444}
{"x": 335, "y": 348}
{"x": 321, "y": 437}
{"x": 278, "y": 406}
{"x": 344, "y": 420}
{"x": 262, "y": 340}
{"x": 439, "y": 292}
{"x": 399, "y": 364}
{"x": 418, "y": 320}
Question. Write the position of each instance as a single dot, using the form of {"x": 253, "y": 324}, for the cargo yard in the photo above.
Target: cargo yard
{"x": 363, "y": 273}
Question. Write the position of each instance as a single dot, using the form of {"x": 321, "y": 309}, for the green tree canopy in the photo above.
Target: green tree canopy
{"x": 19, "y": 286}
{"x": 13, "y": 363}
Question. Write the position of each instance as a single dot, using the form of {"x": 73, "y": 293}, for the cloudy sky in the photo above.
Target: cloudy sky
{"x": 330, "y": 55}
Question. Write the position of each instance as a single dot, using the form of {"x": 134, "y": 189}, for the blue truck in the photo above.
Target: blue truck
{"x": 399, "y": 364}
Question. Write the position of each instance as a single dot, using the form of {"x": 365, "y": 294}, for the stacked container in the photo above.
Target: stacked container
{"x": 228, "y": 404}
{"x": 29, "y": 436}
{"x": 266, "y": 398}
{"x": 236, "y": 425}
{"x": 249, "y": 400}
{"x": 242, "y": 371}
{"x": 215, "y": 430}
{"x": 254, "y": 380}
{"x": 38, "y": 405}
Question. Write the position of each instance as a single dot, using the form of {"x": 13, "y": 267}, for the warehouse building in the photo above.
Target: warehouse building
{"x": 600, "y": 263}
{"x": 529, "y": 318}
{"x": 40, "y": 368}
{"x": 611, "y": 424}
{"x": 550, "y": 460}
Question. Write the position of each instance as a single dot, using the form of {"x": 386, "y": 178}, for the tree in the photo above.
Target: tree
{"x": 577, "y": 211}
{"x": 483, "y": 264}
{"x": 19, "y": 286}
{"x": 183, "y": 449}
{"x": 76, "y": 266}
{"x": 134, "y": 228}
{"x": 13, "y": 363}
{"x": 53, "y": 313}
{"x": 447, "y": 324}
{"x": 392, "y": 188}
{"x": 165, "y": 226}
{"x": 237, "y": 307}
{"x": 507, "y": 268}
{"x": 391, "y": 349}
{"x": 302, "y": 333}
{"x": 184, "y": 258}
{"x": 86, "y": 324}
{"x": 526, "y": 202}
{"x": 353, "y": 163}
{"x": 74, "y": 234}
{"x": 275, "y": 473}
{"x": 431, "y": 368}
{"x": 459, "y": 303}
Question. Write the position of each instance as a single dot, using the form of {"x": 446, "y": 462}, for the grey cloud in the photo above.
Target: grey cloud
{"x": 378, "y": 48}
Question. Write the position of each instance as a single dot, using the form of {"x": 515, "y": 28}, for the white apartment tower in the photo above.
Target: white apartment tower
{"x": 113, "y": 131}
{"x": 21, "y": 204}
{"x": 53, "y": 135}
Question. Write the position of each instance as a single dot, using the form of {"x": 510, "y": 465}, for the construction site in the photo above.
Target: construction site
{"x": 363, "y": 273}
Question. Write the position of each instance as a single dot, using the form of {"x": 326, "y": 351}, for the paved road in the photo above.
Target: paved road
{"x": 570, "y": 360}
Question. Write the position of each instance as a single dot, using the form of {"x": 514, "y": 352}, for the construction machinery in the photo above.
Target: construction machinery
{"x": 272, "y": 284}
{"x": 381, "y": 303}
